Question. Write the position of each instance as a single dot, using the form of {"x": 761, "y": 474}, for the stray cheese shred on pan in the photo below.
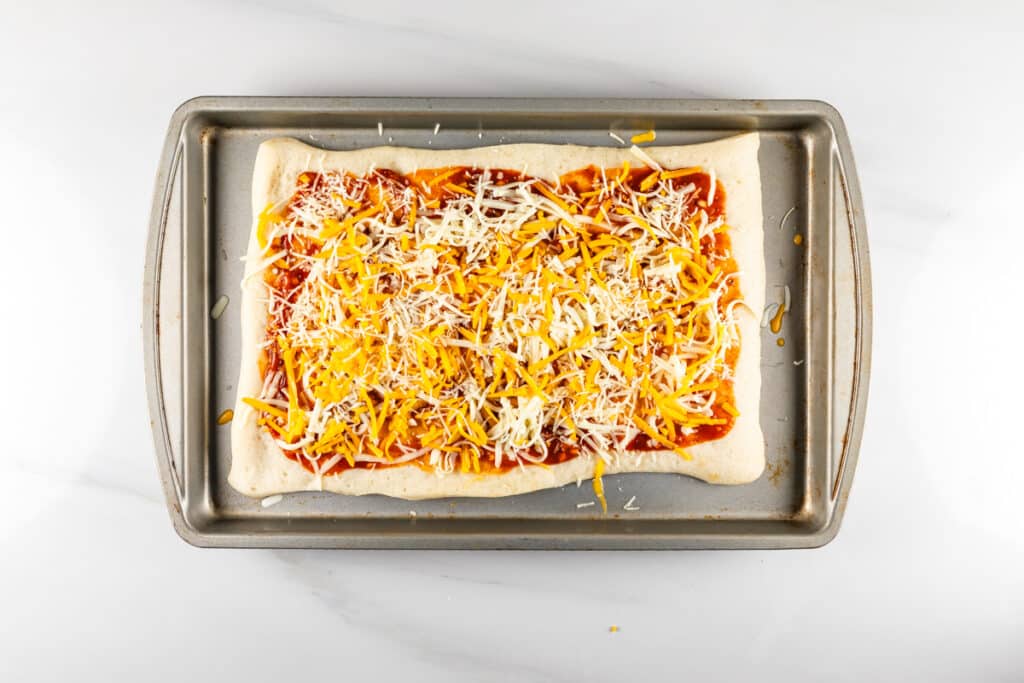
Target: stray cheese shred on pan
{"x": 474, "y": 320}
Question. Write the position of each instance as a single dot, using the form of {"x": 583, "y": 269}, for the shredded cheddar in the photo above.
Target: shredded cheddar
{"x": 469, "y": 323}
{"x": 599, "y": 484}
{"x": 640, "y": 138}
{"x": 680, "y": 172}
{"x": 776, "y": 322}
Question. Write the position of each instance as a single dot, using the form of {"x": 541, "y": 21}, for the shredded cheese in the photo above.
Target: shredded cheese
{"x": 599, "y": 484}
{"x": 647, "y": 136}
{"x": 469, "y": 316}
{"x": 776, "y": 321}
{"x": 218, "y": 307}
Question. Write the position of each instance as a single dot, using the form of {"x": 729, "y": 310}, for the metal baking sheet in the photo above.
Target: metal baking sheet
{"x": 814, "y": 388}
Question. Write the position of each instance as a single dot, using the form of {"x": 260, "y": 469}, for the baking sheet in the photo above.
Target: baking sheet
{"x": 813, "y": 388}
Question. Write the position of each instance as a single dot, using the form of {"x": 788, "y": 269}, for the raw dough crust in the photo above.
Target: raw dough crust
{"x": 259, "y": 468}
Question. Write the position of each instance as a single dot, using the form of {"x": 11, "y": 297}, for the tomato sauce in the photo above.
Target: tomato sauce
{"x": 438, "y": 187}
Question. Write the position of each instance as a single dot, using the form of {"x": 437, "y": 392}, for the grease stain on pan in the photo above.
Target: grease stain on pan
{"x": 777, "y": 470}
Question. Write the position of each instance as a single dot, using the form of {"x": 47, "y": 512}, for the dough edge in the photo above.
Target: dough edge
{"x": 258, "y": 466}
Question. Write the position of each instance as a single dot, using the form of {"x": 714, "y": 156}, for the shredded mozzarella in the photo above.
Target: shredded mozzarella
{"x": 458, "y": 317}
{"x": 218, "y": 307}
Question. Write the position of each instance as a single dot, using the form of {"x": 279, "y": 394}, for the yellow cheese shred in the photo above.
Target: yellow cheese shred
{"x": 647, "y": 136}
{"x": 776, "y": 322}
{"x": 599, "y": 484}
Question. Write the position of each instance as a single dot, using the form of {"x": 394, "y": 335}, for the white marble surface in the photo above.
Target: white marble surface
{"x": 925, "y": 581}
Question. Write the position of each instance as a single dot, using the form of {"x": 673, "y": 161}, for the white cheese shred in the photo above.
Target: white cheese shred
{"x": 646, "y": 158}
{"x": 782, "y": 223}
{"x": 218, "y": 307}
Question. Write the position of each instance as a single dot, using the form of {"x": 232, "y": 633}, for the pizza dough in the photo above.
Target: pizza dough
{"x": 259, "y": 468}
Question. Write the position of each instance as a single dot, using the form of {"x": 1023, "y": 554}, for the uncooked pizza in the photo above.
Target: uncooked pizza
{"x": 493, "y": 321}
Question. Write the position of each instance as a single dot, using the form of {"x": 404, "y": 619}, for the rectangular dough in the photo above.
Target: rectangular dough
{"x": 259, "y": 468}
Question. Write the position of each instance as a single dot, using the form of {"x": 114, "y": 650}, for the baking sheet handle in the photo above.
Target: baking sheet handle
{"x": 852, "y": 351}
{"x": 162, "y": 310}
